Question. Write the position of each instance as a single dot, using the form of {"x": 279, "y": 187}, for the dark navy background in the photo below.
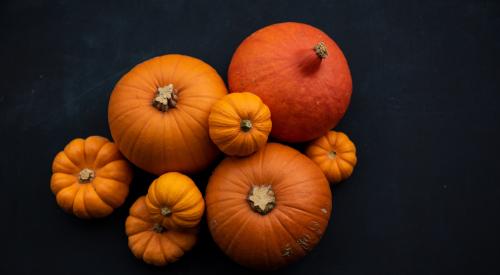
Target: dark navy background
{"x": 425, "y": 116}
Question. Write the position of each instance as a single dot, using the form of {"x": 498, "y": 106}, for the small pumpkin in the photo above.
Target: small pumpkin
{"x": 174, "y": 201}
{"x": 158, "y": 114}
{"x": 300, "y": 73}
{"x": 335, "y": 154}
{"x": 239, "y": 124}
{"x": 153, "y": 243}
{"x": 90, "y": 177}
{"x": 269, "y": 209}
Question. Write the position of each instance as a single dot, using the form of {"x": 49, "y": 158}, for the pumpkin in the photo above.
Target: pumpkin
{"x": 175, "y": 202}
{"x": 158, "y": 114}
{"x": 335, "y": 154}
{"x": 239, "y": 124}
{"x": 152, "y": 242}
{"x": 90, "y": 177}
{"x": 300, "y": 73}
{"x": 269, "y": 209}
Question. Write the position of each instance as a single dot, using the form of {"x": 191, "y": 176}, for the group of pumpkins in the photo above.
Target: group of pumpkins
{"x": 267, "y": 204}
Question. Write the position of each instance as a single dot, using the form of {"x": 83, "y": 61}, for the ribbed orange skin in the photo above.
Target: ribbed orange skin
{"x": 335, "y": 154}
{"x": 105, "y": 192}
{"x": 225, "y": 124}
{"x": 175, "y": 140}
{"x": 181, "y": 195}
{"x": 307, "y": 95}
{"x": 153, "y": 247}
{"x": 287, "y": 232}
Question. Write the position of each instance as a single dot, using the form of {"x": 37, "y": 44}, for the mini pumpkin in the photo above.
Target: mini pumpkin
{"x": 158, "y": 114}
{"x": 269, "y": 209}
{"x": 239, "y": 124}
{"x": 335, "y": 154}
{"x": 174, "y": 201}
{"x": 90, "y": 177}
{"x": 153, "y": 243}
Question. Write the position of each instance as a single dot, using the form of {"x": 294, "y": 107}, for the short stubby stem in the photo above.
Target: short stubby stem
{"x": 165, "y": 211}
{"x": 261, "y": 199}
{"x": 86, "y": 175}
{"x": 246, "y": 125}
{"x": 158, "y": 228}
{"x": 321, "y": 50}
{"x": 165, "y": 98}
{"x": 332, "y": 154}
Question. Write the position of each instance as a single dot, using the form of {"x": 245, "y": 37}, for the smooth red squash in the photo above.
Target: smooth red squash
{"x": 300, "y": 73}
{"x": 269, "y": 209}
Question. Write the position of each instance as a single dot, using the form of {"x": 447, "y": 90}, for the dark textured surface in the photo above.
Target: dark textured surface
{"x": 424, "y": 198}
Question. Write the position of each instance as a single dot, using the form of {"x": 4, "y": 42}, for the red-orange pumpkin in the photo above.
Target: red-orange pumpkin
{"x": 158, "y": 114}
{"x": 269, "y": 209}
{"x": 299, "y": 73}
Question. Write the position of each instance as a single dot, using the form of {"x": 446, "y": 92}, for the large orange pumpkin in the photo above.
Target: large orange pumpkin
{"x": 90, "y": 177}
{"x": 158, "y": 114}
{"x": 269, "y": 209}
{"x": 152, "y": 242}
{"x": 300, "y": 73}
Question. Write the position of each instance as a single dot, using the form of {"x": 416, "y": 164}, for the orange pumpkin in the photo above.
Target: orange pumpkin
{"x": 158, "y": 114}
{"x": 335, "y": 154}
{"x": 269, "y": 209}
{"x": 90, "y": 177}
{"x": 175, "y": 202}
{"x": 239, "y": 124}
{"x": 300, "y": 73}
{"x": 152, "y": 242}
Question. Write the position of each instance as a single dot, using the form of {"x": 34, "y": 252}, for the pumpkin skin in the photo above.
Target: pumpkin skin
{"x": 153, "y": 243}
{"x": 175, "y": 202}
{"x": 269, "y": 209}
{"x": 239, "y": 124}
{"x": 90, "y": 177}
{"x": 307, "y": 85}
{"x": 335, "y": 154}
{"x": 160, "y": 137}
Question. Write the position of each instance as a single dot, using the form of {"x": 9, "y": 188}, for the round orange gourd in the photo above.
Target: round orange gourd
{"x": 300, "y": 73}
{"x": 239, "y": 124}
{"x": 158, "y": 114}
{"x": 335, "y": 154}
{"x": 269, "y": 209}
{"x": 90, "y": 177}
{"x": 175, "y": 202}
{"x": 152, "y": 242}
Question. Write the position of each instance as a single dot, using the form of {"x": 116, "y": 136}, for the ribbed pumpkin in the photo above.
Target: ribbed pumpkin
{"x": 152, "y": 242}
{"x": 175, "y": 202}
{"x": 269, "y": 209}
{"x": 90, "y": 177}
{"x": 335, "y": 154}
{"x": 158, "y": 114}
{"x": 300, "y": 73}
{"x": 239, "y": 124}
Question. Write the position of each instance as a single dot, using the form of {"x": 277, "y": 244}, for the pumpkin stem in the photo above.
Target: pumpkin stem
{"x": 321, "y": 50}
{"x": 166, "y": 97}
{"x": 246, "y": 125}
{"x": 165, "y": 211}
{"x": 86, "y": 175}
{"x": 261, "y": 199}
{"x": 158, "y": 228}
{"x": 332, "y": 154}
